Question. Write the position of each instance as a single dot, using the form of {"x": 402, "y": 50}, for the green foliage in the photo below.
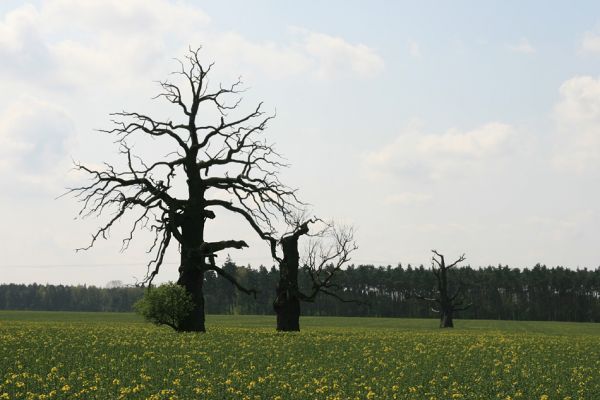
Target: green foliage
{"x": 167, "y": 304}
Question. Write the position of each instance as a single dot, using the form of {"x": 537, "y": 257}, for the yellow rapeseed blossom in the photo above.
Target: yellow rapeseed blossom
{"x": 139, "y": 361}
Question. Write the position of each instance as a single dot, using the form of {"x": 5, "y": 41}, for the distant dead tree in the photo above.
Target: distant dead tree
{"x": 447, "y": 304}
{"x": 328, "y": 251}
{"x": 224, "y": 164}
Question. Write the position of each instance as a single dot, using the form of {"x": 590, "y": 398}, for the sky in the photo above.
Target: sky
{"x": 466, "y": 127}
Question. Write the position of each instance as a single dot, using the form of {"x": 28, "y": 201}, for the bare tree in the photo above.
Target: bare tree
{"x": 328, "y": 251}
{"x": 447, "y": 304}
{"x": 225, "y": 165}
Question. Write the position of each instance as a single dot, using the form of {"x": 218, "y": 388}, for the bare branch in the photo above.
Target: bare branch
{"x": 267, "y": 236}
{"x": 432, "y": 299}
{"x": 459, "y": 260}
{"x": 213, "y": 247}
{"x": 326, "y": 256}
{"x": 462, "y": 308}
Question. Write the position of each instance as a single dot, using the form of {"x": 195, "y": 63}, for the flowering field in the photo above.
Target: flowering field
{"x": 104, "y": 356}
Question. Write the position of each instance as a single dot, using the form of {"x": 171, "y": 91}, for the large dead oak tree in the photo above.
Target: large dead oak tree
{"x": 225, "y": 165}
{"x": 447, "y": 303}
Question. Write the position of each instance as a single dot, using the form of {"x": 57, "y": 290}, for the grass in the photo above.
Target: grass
{"x": 309, "y": 323}
{"x": 110, "y": 356}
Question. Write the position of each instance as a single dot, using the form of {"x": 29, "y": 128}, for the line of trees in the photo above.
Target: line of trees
{"x": 538, "y": 293}
{"x": 37, "y": 297}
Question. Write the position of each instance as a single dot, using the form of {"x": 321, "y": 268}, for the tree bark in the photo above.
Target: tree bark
{"x": 287, "y": 308}
{"x": 192, "y": 279}
{"x": 287, "y": 303}
{"x": 192, "y": 267}
{"x": 446, "y": 318}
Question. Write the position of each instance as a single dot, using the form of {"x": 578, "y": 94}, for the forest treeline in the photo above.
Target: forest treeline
{"x": 538, "y": 293}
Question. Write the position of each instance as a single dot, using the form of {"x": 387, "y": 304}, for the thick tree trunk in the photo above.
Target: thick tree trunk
{"x": 446, "y": 318}
{"x": 287, "y": 303}
{"x": 192, "y": 267}
{"x": 192, "y": 279}
{"x": 287, "y": 308}
{"x": 446, "y": 308}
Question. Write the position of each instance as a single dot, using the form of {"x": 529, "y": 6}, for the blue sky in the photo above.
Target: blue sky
{"x": 466, "y": 126}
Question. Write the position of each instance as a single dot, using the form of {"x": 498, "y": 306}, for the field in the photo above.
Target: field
{"x": 116, "y": 356}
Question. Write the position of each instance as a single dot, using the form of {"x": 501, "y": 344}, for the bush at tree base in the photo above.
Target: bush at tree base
{"x": 167, "y": 304}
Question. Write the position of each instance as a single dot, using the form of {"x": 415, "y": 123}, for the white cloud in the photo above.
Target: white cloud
{"x": 232, "y": 49}
{"x": 580, "y": 101}
{"x": 75, "y": 44}
{"x": 117, "y": 43}
{"x": 522, "y": 46}
{"x": 34, "y": 138}
{"x": 308, "y": 53}
{"x": 333, "y": 56}
{"x": 414, "y": 49}
{"x": 563, "y": 227}
{"x": 23, "y": 51}
{"x": 437, "y": 155}
{"x": 407, "y": 198}
{"x": 123, "y": 18}
{"x": 590, "y": 42}
{"x": 578, "y": 118}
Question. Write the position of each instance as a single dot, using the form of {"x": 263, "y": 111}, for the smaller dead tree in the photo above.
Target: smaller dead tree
{"x": 328, "y": 251}
{"x": 447, "y": 304}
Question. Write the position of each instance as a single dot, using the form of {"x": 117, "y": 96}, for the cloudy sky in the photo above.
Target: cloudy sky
{"x": 466, "y": 126}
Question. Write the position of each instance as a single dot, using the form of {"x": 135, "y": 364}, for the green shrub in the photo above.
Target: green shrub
{"x": 168, "y": 304}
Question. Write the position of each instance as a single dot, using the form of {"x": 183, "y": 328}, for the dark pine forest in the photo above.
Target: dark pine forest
{"x": 537, "y": 293}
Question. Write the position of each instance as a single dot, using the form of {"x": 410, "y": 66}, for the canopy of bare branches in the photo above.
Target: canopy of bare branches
{"x": 226, "y": 162}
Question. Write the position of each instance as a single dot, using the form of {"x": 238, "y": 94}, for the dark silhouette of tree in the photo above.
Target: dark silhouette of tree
{"x": 224, "y": 164}
{"x": 329, "y": 250}
{"x": 447, "y": 304}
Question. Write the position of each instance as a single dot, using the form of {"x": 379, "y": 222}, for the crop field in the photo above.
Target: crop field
{"x": 116, "y": 356}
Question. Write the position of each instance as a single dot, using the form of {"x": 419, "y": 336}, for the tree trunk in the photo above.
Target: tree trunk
{"x": 287, "y": 303}
{"x": 287, "y": 308}
{"x": 446, "y": 318}
{"x": 192, "y": 279}
{"x": 192, "y": 268}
